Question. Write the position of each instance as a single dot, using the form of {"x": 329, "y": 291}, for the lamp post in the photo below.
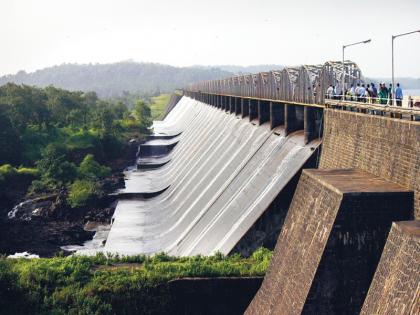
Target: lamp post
{"x": 344, "y": 71}
{"x": 392, "y": 44}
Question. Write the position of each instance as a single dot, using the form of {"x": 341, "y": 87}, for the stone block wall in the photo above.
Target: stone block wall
{"x": 330, "y": 243}
{"x": 386, "y": 147}
{"x": 395, "y": 287}
{"x": 298, "y": 250}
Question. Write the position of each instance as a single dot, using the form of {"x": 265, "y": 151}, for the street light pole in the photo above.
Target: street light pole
{"x": 392, "y": 52}
{"x": 344, "y": 70}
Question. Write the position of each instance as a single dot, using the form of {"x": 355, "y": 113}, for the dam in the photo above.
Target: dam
{"x": 230, "y": 152}
{"x": 219, "y": 179}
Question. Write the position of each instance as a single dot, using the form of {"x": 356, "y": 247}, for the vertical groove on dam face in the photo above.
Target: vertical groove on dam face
{"x": 221, "y": 177}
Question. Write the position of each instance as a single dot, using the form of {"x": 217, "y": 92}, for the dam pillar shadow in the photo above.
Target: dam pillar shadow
{"x": 294, "y": 118}
{"x": 263, "y": 112}
{"x": 276, "y": 114}
{"x": 245, "y": 107}
{"x": 253, "y": 109}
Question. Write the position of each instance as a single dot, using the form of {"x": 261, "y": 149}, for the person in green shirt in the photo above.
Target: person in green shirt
{"x": 383, "y": 94}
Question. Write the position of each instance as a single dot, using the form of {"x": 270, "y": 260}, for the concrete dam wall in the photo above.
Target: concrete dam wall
{"x": 327, "y": 254}
{"x": 330, "y": 243}
{"x": 216, "y": 182}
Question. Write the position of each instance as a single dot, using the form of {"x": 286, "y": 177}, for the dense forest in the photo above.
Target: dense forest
{"x": 117, "y": 79}
{"x": 52, "y": 139}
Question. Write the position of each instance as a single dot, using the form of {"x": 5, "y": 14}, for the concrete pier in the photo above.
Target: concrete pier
{"x": 330, "y": 243}
{"x": 395, "y": 287}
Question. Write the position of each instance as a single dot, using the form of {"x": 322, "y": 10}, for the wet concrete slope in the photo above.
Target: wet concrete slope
{"x": 219, "y": 178}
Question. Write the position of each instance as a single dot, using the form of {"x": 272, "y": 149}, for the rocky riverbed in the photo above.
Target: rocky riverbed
{"x": 44, "y": 224}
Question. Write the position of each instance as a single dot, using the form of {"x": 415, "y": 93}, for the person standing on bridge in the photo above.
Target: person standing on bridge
{"x": 352, "y": 93}
{"x": 373, "y": 93}
{"x": 330, "y": 92}
{"x": 337, "y": 92}
{"x": 399, "y": 95}
{"x": 368, "y": 94}
{"x": 362, "y": 93}
{"x": 383, "y": 94}
{"x": 357, "y": 92}
{"x": 390, "y": 95}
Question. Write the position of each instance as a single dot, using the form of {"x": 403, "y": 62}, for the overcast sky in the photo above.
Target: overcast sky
{"x": 38, "y": 33}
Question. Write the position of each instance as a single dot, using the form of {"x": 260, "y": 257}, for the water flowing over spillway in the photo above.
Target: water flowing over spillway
{"x": 218, "y": 180}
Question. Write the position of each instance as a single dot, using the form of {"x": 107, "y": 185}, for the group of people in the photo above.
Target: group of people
{"x": 367, "y": 93}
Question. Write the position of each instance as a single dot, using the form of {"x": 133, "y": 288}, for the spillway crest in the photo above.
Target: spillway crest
{"x": 221, "y": 175}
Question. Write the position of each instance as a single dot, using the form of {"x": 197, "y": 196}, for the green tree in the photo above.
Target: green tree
{"x": 143, "y": 115}
{"x": 90, "y": 169}
{"x": 81, "y": 191}
{"x": 54, "y": 167}
{"x": 10, "y": 142}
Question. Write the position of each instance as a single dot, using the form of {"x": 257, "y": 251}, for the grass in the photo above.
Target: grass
{"x": 109, "y": 285}
{"x": 158, "y": 105}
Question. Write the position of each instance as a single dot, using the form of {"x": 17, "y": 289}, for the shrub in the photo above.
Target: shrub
{"x": 17, "y": 178}
{"x": 107, "y": 284}
{"x": 54, "y": 167}
{"x": 8, "y": 171}
{"x": 28, "y": 171}
{"x": 90, "y": 169}
{"x": 81, "y": 191}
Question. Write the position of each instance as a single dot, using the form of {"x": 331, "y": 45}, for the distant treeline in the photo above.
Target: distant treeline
{"x": 125, "y": 79}
{"x": 117, "y": 79}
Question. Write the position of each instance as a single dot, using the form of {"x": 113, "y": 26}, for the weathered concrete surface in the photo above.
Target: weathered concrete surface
{"x": 330, "y": 243}
{"x": 388, "y": 148}
{"x": 395, "y": 289}
{"x": 223, "y": 174}
{"x": 265, "y": 231}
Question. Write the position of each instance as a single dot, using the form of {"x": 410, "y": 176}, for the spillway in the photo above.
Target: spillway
{"x": 218, "y": 179}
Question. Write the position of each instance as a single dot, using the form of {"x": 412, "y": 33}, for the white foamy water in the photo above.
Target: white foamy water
{"x": 96, "y": 244}
{"x": 23, "y": 255}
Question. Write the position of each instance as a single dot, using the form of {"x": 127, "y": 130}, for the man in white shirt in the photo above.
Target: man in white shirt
{"x": 330, "y": 92}
{"x": 362, "y": 91}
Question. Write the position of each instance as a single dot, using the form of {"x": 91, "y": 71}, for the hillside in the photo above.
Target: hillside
{"x": 109, "y": 80}
{"x": 114, "y": 79}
